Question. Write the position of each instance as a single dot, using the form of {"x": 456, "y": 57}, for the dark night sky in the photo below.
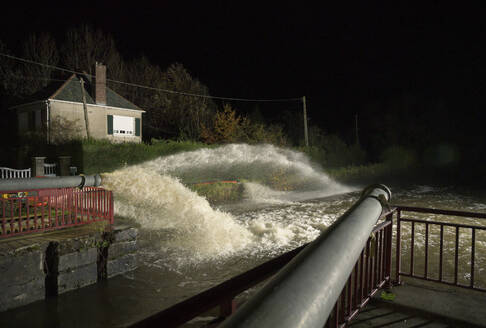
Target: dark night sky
{"x": 342, "y": 57}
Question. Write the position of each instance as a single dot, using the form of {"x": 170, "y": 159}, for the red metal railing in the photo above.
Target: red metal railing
{"x": 372, "y": 271}
{"x": 439, "y": 269}
{"x": 30, "y": 211}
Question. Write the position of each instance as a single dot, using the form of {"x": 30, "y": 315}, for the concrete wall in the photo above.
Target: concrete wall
{"x": 41, "y": 266}
{"x": 22, "y": 274}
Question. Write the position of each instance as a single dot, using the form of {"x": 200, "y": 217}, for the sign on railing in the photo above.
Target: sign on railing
{"x": 30, "y": 211}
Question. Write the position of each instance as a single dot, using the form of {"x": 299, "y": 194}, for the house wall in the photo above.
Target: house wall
{"x": 68, "y": 116}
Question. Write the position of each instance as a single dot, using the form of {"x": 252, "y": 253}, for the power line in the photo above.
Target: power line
{"x": 206, "y": 96}
{"x": 153, "y": 88}
{"x": 40, "y": 64}
{"x": 34, "y": 78}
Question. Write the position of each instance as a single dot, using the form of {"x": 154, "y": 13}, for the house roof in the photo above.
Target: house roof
{"x": 71, "y": 90}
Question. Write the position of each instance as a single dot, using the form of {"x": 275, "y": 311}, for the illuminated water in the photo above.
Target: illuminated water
{"x": 185, "y": 226}
{"x": 187, "y": 246}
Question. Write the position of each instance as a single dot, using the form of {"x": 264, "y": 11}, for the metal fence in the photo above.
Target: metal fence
{"x": 30, "y": 211}
{"x": 438, "y": 269}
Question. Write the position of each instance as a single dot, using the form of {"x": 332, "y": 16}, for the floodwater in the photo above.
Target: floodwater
{"x": 187, "y": 246}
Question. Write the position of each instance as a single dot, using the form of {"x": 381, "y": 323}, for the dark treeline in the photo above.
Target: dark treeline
{"x": 408, "y": 128}
{"x": 169, "y": 115}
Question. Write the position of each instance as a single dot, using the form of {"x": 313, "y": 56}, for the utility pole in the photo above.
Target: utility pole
{"x": 85, "y": 107}
{"x": 356, "y": 128}
{"x": 306, "y": 134}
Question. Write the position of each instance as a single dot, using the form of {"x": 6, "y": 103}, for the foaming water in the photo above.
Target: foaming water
{"x": 153, "y": 195}
{"x": 160, "y": 202}
{"x": 266, "y": 164}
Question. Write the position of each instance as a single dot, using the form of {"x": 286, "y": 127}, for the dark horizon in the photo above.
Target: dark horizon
{"x": 343, "y": 59}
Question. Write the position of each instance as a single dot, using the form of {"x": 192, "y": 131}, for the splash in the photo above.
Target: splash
{"x": 161, "y": 202}
{"x": 152, "y": 193}
{"x": 274, "y": 167}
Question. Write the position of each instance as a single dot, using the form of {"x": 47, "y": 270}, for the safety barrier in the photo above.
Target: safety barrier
{"x": 38, "y": 210}
{"x": 440, "y": 226}
{"x": 50, "y": 169}
{"x": 8, "y": 173}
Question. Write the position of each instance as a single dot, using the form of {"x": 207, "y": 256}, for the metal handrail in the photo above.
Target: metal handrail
{"x": 440, "y": 211}
{"x": 427, "y": 224}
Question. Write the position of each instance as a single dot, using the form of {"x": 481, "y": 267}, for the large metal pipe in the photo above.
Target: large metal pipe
{"x": 54, "y": 182}
{"x": 305, "y": 291}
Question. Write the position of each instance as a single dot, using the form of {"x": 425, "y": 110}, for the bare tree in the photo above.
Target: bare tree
{"x": 6, "y": 69}
{"x": 40, "y": 48}
{"x": 84, "y": 46}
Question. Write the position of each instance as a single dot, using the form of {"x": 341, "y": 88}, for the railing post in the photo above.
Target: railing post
{"x": 227, "y": 308}
{"x": 112, "y": 216}
{"x": 388, "y": 252}
{"x": 398, "y": 250}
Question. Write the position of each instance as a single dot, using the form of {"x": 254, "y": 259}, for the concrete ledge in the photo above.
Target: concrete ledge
{"x": 124, "y": 233}
{"x": 119, "y": 249}
{"x": 121, "y": 265}
{"x": 454, "y": 303}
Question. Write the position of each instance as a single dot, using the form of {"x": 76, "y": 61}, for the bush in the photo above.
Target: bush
{"x": 104, "y": 156}
{"x": 331, "y": 151}
{"x": 228, "y": 127}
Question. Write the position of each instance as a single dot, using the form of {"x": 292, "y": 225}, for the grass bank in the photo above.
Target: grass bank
{"x": 103, "y": 156}
{"x": 218, "y": 192}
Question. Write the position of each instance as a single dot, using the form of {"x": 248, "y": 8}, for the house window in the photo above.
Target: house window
{"x": 123, "y": 125}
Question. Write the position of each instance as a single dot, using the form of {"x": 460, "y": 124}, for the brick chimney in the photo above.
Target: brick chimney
{"x": 100, "y": 84}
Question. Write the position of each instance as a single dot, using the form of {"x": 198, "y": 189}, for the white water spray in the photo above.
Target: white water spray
{"x": 151, "y": 193}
